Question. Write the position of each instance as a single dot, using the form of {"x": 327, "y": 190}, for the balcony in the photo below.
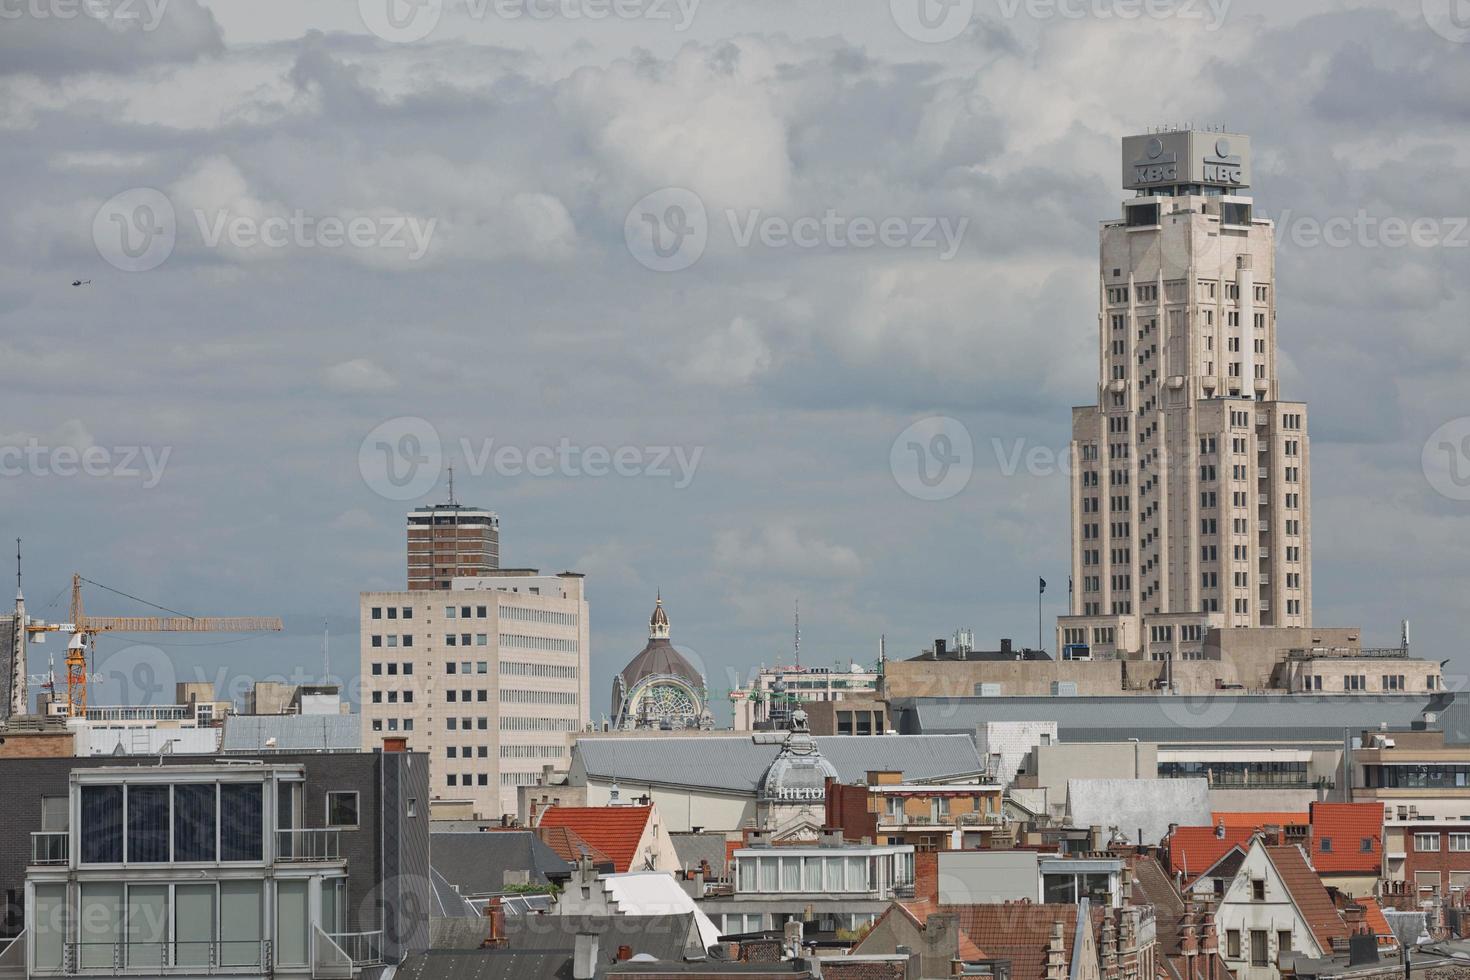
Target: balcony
{"x": 252, "y": 957}
{"x": 50, "y": 847}
{"x": 297, "y": 846}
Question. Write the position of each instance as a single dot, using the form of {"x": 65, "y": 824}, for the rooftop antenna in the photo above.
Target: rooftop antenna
{"x": 19, "y": 595}
{"x": 797, "y": 647}
{"x": 451, "y": 485}
{"x": 326, "y": 654}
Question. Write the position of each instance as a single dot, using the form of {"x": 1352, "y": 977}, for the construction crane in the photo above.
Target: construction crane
{"x": 84, "y": 628}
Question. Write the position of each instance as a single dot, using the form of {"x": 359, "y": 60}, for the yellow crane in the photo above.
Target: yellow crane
{"x": 83, "y": 628}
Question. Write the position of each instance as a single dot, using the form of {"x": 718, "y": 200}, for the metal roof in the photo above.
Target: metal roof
{"x": 1217, "y": 717}
{"x": 293, "y": 733}
{"x": 477, "y": 862}
{"x": 736, "y": 763}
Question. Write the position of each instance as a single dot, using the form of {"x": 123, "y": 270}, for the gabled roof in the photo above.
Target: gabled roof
{"x": 1194, "y": 850}
{"x": 920, "y": 911}
{"x": 1308, "y": 893}
{"x": 477, "y": 862}
{"x": 568, "y": 845}
{"x": 1339, "y": 833}
{"x": 614, "y": 830}
{"x": 1019, "y": 932}
{"x": 1154, "y": 884}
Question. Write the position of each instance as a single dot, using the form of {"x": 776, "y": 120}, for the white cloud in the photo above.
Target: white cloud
{"x": 359, "y": 376}
{"x": 783, "y": 549}
{"x": 733, "y": 356}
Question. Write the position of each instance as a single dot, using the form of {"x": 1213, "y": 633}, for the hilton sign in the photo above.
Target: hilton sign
{"x": 1181, "y": 158}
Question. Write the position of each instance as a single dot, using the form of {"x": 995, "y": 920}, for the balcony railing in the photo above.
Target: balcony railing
{"x": 364, "y": 948}
{"x": 50, "y": 847}
{"x": 247, "y": 956}
{"x": 308, "y": 845}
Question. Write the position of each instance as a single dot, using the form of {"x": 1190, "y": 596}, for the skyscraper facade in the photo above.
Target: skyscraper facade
{"x": 1190, "y": 484}
{"x": 450, "y": 540}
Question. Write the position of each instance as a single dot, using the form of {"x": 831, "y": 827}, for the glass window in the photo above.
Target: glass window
{"x": 102, "y": 825}
{"x": 291, "y": 922}
{"x": 147, "y": 918}
{"x": 241, "y": 821}
{"x": 342, "y": 808}
{"x": 791, "y": 875}
{"x": 194, "y": 822}
{"x": 746, "y": 868}
{"x": 48, "y": 927}
{"x": 100, "y": 923}
{"x": 55, "y": 813}
{"x": 811, "y": 874}
{"x": 240, "y": 923}
{"x": 193, "y": 920}
{"x": 147, "y": 824}
{"x": 769, "y": 881}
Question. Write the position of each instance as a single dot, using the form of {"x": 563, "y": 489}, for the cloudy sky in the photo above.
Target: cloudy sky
{"x": 669, "y": 282}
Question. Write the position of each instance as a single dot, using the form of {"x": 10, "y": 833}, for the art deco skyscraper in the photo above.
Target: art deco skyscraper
{"x": 1190, "y": 480}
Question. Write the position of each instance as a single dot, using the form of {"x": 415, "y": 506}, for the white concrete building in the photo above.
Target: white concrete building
{"x": 1191, "y": 478}
{"x": 488, "y": 678}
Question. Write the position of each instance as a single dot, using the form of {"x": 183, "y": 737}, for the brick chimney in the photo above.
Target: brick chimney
{"x": 1356, "y": 918}
{"x": 1109, "y": 946}
{"x": 1056, "y": 954}
{"x": 495, "y": 912}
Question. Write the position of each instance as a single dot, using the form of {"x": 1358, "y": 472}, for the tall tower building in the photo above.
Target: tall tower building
{"x": 1190, "y": 481}
{"x": 450, "y": 540}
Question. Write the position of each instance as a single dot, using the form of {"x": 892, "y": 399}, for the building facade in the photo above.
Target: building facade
{"x": 767, "y": 702}
{"x": 488, "y": 679}
{"x": 448, "y": 541}
{"x": 308, "y": 865}
{"x": 1191, "y": 478}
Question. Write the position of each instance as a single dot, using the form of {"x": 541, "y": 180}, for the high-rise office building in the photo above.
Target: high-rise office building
{"x": 448, "y": 541}
{"x": 487, "y": 678}
{"x": 1190, "y": 481}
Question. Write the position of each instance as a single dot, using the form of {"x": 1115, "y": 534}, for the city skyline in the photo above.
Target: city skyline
{"x": 786, "y": 376}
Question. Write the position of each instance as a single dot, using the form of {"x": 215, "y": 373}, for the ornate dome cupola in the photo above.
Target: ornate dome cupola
{"x": 660, "y": 688}
{"x": 658, "y": 623}
{"x": 799, "y": 774}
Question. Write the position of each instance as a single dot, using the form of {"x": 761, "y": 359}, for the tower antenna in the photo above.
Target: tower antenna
{"x": 326, "y": 654}
{"x": 797, "y": 647}
{"x": 451, "y": 484}
{"x": 18, "y": 593}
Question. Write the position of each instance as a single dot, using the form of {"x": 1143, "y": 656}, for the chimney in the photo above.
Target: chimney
{"x": 1056, "y": 954}
{"x": 792, "y": 933}
{"x": 1362, "y": 949}
{"x": 1005, "y": 645}
{"x": 584, "y": 956}
{"x": 625, "y": 953}
{"x": 495, "y": 912}
{"x": 941, "y": 647}
{"x": 1356, "y": 918}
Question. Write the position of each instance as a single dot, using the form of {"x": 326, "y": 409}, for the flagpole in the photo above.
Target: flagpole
{"x": 1041, "y": 591}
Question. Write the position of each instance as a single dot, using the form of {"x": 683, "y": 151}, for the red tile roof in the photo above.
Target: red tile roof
{"x": 1019, "y": 932}
{"x": 1339, "y": 831}
{"x": 614, "y": 830}
{"x": 1194, "y": 850}
{"x": 569, "y": 845}
{"x": 921, "y": 910}
{"x": 1378, "y": 922}
{"x": 1309, "y": 894}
